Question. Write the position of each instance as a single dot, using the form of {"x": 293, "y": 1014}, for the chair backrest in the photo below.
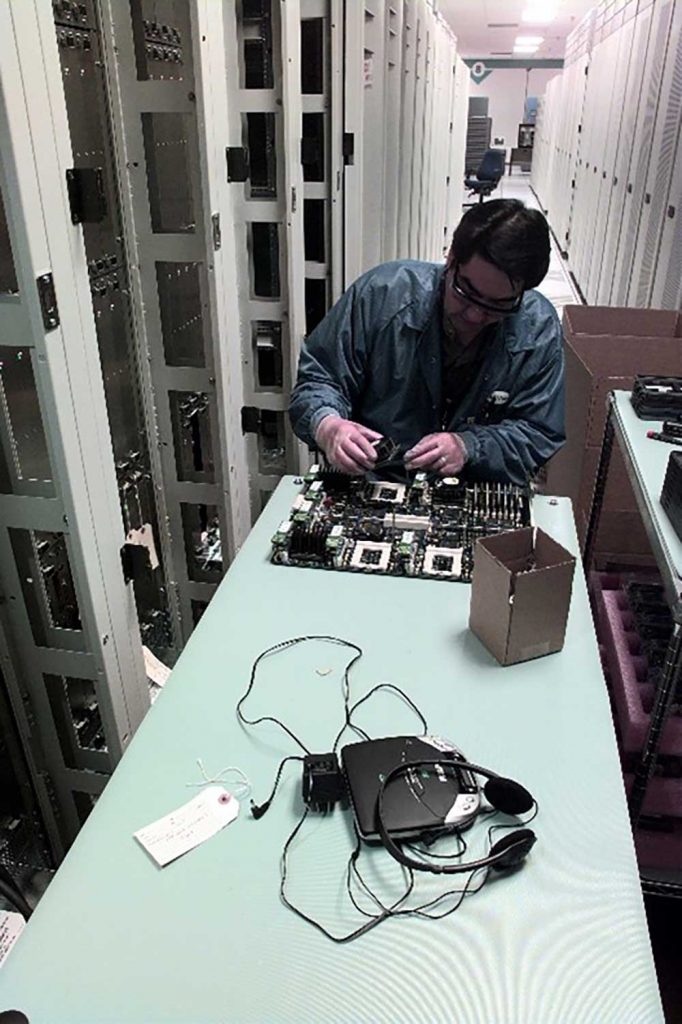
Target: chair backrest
{"x": 491, "y": 167}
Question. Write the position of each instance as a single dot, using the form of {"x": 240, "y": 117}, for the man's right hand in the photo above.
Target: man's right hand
{"x": 346, "y": 444}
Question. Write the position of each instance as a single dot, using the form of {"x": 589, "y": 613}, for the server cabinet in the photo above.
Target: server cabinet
{"x": 393, "y": 74}
{"x": 616, "y": 56}
{"x": 69, "y": 645}
{"x": 131, "y": 420}
{"x": 408, "y": 95}
{"x": 569, "y": 129}
{"x": 398, "y": 98}
{"x": 635, "y": 197}
{"x": 423, "y": 43}
{"x": 667, "y": 277}
{"x": 593, "y": 141}
{"x": 641, "y": 29}
{"x": 660, "y": 170}
{"x": 170, "y": 117}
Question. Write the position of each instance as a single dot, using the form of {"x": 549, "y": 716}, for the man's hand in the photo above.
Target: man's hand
{"x": 439, "y": 453}
{"x": 347, "y": 444}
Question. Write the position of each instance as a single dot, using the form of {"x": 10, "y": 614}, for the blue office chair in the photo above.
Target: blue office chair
{"x": 488, "y": 175}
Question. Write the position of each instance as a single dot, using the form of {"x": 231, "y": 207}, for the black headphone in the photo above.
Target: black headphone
{"x": 503, "y": 794}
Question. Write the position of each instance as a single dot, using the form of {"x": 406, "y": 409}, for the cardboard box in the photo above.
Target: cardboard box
{"x": 605, "y": 348}
{"x": 520, "y": 594}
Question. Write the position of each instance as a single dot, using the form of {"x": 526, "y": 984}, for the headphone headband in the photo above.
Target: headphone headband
{"x": 505, "y": 795}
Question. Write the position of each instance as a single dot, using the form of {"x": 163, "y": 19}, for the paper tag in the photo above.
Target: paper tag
{"x": 155, "y": 669}
{"x": 11, "y": 927}
{"x": 192, "y": 824}
{"x": 145, "y": 538}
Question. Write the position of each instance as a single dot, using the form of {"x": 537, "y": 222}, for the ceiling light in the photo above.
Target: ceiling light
{"x": 525, "y": 49}
{"x": 529, "y": 40}
{"x": 539, "y": 12}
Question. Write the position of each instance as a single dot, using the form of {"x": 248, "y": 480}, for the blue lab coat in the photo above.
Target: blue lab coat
{"x": 376, "y": 358}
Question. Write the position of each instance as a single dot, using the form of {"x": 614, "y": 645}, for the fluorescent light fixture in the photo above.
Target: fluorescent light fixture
{"x": 525, "y": 49}
{"x": 528, "y": 40}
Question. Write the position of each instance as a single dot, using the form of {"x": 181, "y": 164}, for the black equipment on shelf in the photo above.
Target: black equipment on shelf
{"x": 657, "y": 398}
{"x": 671, "y": 495}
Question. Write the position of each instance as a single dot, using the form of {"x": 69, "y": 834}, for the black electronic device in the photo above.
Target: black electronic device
{"x": 657, "y": 398}
{"x": 387, "y": 452}
{"x": 405, "y": 788}
{"x": 671, "y": 495}
{"x": 502, "y": 794}
{"x": 417, "y": 803}
{"x": 323, "y": 783}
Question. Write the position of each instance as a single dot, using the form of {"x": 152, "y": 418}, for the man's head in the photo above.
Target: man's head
{"x": 500, "y": 249}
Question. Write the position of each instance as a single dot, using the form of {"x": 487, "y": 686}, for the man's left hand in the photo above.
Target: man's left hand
{"x": 442, "y": 453}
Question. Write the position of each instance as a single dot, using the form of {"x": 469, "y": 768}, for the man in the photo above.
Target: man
{"x": 460, "y": 364}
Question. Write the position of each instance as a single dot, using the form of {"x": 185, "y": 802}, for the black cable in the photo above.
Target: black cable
{"x": 353, "y": 870}
{"x": 440, "y": 856}
{"x": 419, "y": 911}
{"x": 380, "y": 686}
{"x": 340, "y": 939}
{"x": 284, "y": 645}
{"x": 13, "y": 896}
{"x": 259, "y": 810}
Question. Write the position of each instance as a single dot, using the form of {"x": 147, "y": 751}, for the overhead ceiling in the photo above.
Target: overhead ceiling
{"x": 471, "y": 21}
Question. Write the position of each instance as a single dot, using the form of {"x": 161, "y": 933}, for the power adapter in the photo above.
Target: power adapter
{"x": 323, "y": 782}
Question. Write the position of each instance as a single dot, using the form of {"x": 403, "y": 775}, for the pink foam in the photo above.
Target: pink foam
{"x": 659, "y": 849}
{"x": 632, "y": 699}
{"x": 663, "y": 796}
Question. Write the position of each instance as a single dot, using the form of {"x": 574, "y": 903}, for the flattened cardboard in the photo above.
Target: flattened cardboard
{"x": 520, "y": 613}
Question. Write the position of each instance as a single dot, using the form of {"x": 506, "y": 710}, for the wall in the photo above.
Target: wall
{"x": 506, "y": 89}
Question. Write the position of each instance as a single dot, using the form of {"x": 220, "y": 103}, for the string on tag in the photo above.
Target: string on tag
{"x": 241, "y": 788}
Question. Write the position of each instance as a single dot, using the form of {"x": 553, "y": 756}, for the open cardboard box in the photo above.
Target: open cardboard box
{"x": 520, "y": 594}
{"x": 605, "y": 349}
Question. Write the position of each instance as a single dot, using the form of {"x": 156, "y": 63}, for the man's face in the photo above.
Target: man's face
{"x": 466, "y": 285}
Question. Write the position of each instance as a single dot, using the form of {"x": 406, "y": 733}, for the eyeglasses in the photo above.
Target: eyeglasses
{"x": 504, "y": 306}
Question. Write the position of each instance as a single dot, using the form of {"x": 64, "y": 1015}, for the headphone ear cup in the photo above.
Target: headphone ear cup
{"x": 512, "y": 849}
{"x": 507, "y": 796}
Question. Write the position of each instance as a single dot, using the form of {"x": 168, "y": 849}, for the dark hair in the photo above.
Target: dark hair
{"x": 507, "y": 234}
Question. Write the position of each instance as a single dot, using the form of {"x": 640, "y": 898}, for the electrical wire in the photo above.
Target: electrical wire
{"x": 259, "y": 811}
{"x": 353, "y": 873}
{"x": 380, "y": 686}
{"x": 282, "y": 646}
{"x": 339, "y": 939}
